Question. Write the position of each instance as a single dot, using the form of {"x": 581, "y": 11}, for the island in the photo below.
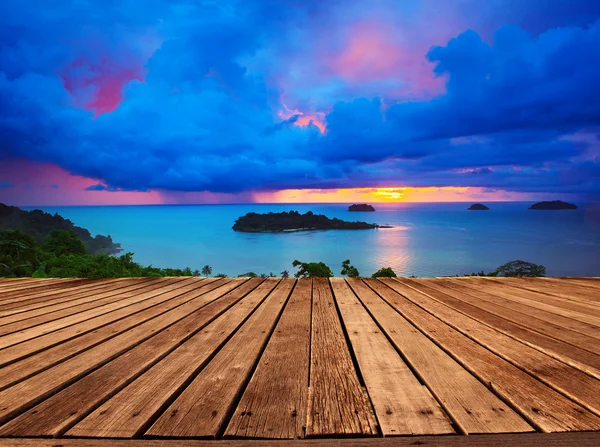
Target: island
{"x": 361, "y": 207}
{"x": 294, "y": 221}
{"x": 40, "y": 225}
{"x": 553, "y": 205}
{"x": 478, "y": 207}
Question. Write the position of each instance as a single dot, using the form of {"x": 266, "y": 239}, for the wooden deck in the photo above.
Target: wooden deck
{"x": 388, "y": 362}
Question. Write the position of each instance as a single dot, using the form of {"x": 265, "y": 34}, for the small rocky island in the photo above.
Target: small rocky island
{"x": 553, "y": 205}
{"x": 478, "y": 207}
{"x": 294, "y": 221}
{"x": 361, "y": 207}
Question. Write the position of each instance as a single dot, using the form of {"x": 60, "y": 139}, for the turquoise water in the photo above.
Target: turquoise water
{"x": 427, "y": 239}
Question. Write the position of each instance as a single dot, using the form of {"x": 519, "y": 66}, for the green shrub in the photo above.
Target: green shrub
{"x": 384, "y": 272}
{"x": 312, "y": 270}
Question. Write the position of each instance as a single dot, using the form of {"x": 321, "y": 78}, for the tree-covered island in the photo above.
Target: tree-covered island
{"x": 294, "y": 221}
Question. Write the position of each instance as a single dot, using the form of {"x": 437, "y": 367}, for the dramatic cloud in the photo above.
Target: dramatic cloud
{"x": 233, "y": 96}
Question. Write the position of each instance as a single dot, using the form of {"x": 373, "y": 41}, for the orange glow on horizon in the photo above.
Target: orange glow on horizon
{"x": 389, "y": 194}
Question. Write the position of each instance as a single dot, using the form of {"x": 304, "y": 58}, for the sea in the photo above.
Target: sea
{"x": 427, "y": 239}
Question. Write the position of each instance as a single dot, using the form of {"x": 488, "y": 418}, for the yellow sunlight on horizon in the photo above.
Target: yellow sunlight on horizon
{"x": 387, "y": 194}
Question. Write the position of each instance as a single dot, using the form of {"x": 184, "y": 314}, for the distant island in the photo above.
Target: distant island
{"x": 553, "y": 205}
{"x": 294, "y": 221}
{"x": 361, "y": 207}
{"x": 478, "y": 207}
{"x": 40, "y": 224}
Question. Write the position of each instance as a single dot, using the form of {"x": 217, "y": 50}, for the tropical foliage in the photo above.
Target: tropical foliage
{"x": 312, "y": 270}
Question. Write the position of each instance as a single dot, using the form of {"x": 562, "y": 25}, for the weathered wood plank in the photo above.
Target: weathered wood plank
{"x": 275, "y": 401}
{"x": 585, "y": 312}
{"x": 337, "y": 403}
{"x": 73, "y": 344}
{"x": 58, "y": 413}
{"x": 536, "y": 285}
{"x": 547, "y": 409}
{"x": 526, "y": 329}
{"x": 133, "y": 409}
{"x": 402, "y": 405}
{"x": 72, "y": 302}
{"x": 572, "y": 382}
{"x": 497, "y": 305}
{"x": 473, "y": 407}
{"x": 574, "y": 439}
{"x": 25, "y": 394}
{"x": 210, "y": 397}
{"x": 125, "y": 299}
{"x": 47, "y": 291}
{"x": 505, "y": 297}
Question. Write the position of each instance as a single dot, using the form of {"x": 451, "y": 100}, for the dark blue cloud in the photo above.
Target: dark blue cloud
{"x": 206, "y": 116}
{"x": 5, "y": 185}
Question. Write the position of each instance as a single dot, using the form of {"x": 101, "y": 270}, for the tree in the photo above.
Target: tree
{"x": 285, "y": 274}
{"x": 63, "y": 242}
{"x": 248, "y": 275}
{"x": 18, "y": 254}
{"x": 349, "y": 270}
{"x": 312, "y": 270}
{"x": 220, "y": 275}
{"x": 520, "y": 268}
{"x": 207, "y": 270}
{"x": 384, "y": 272}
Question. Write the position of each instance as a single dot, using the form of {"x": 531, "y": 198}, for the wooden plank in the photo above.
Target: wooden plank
{"x": 563, "y": 290}
{"x": 275, "y": 401}
{"x": 546, "y": 409}
{"x": 139, "y": 313}
{"x": 402, "y": 405}
{"x": 573, "y": 439}
{"x": 58, "y": 413}
{"x": 132, "y": 410}
{"x": 337, "y": 404}
{"x": 496, "y": 305}
{"x": 8, "y": 292}
{"x": 506, "y": 299}
{"x": 526, "y": 329}
{"x": 106, "y": 300}
{"x": 572, "y": 382}
{"x": 126, "y": 299}
{"x": 69, "y": 302}
{"x": 472, "y": 407}
{"x": 19, "y": 297}
{"x": 54, "y": 296}
{"x": 210, "y": 397}
{"x": 22, "y": 396}
{"x": 585, "y": 312}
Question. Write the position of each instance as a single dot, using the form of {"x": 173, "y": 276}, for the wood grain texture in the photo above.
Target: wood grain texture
{"x": 275, "y": 401}
{"x": 58, "y": 413}
{"x": 128, "y": 412}
{"x": 74, "y": 303}
{"x": 547, "y": 409}
{"x": 337, "y": 403}
{"x": 260, "y": 360}
{"x": 25, "y": 394}
{"x": 529, "y": 330}
{"x": 581, "y": 312}
{"x": 571, "y": 382}
{"x": 92, "y": 306}
{"x": 402, "y": 405}
{"x": 564, "y": 326}
{"x": 473, "y": 407}
{"x": 68, "y": 341}
{"x": 583, "y": 439}
{"x": 561, "y": 290}
{"x": 210, "y": 397}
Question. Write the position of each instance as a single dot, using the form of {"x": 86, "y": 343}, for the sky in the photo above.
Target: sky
{"x": 229, "y": 101}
